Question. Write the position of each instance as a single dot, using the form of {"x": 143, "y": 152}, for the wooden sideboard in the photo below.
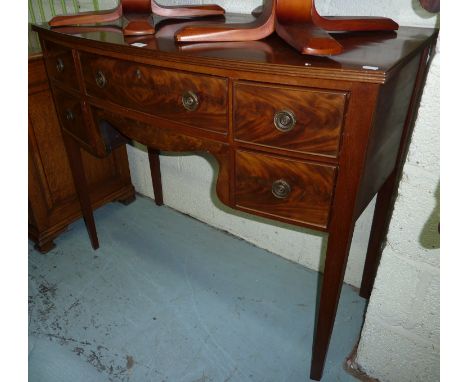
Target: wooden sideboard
{"x": 53, "y": 203}
{"x": 299, "y": 139}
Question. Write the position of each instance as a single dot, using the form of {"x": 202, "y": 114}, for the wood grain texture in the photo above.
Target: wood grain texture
{"x": 56, "y": 57}
{"x": 74, "y": 123}
{"x": 311, "y": 188}
{"x": 171, "y": 140}
{"x": 319, "y": 116}
{"x": 383, "y": 50}
{"x": 52, "y": 200}
{"x": 159, "y": 92}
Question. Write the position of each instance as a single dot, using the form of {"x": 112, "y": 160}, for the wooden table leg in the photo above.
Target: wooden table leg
{"x": 381, "y": 220}
{"x": 335, "y": 266}
{"x": 155, "y": 168}
{"x": 81, "y": 185}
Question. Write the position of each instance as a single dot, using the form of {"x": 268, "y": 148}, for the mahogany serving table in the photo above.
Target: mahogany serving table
{"x": 300, "y": 139}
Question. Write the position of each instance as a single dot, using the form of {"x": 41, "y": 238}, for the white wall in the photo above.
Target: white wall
{"x": 400, "y": 337}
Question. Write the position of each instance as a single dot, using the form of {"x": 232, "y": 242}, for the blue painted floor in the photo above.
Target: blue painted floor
{"x": 168, "y": 298}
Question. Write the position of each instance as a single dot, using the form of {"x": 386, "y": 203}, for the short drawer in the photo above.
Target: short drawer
{"x": 60, "y": 65}
{"x": 74, "y": 118}
{"x": 288, "y": 190}
{"x": 296, "y": 119}
{"x": 196, "y": 100}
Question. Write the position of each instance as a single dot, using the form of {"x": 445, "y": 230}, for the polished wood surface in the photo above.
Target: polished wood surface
{"x": 60, "y": 65}
{"x": 296, "y": 21}
{"x": 138, "y": 14}
{"x": 319, "y": 117}
{"x": 367, "y": 56}
{"x": 159, "y": 92}
{"x": 155, "y": 168}
{"x": 304, "y": 140}
{"x": 52, "y": 198}
{"x": 311, "y": 188}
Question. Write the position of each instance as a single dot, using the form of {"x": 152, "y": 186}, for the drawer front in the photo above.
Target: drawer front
{"x": 74, "y": 118}
{"x": 60, "y": 65}
{"x": 291, "y": 190}
{"x": 69, "y": 110}
{"x": 195, "y": 100}
{"x": 295, "y": 119}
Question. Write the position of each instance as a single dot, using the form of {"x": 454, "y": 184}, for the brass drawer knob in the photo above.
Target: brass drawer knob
{"x": 59, "y": 65}
{"x": 69, "y": 115}
{"x": 281, "y": 189}
{"x": 284, "y": 120}
{"x": 190, "y": 101}
{"x": 100, "y": 79}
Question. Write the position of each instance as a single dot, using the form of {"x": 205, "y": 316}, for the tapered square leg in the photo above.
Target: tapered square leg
{"x": 155, "y": 168}
{"x": 382, "y": 215}
{"x": 335, "y": 266}
{"x": 81, "y": 185}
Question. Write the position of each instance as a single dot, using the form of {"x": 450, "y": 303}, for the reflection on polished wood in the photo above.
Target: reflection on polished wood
{"x": 138, "y": 14}
{"x": 296, "y": 21}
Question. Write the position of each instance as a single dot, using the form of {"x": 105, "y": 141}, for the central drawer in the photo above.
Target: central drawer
{"x": 192, "y": 99}
{"x": 284, "y": 189}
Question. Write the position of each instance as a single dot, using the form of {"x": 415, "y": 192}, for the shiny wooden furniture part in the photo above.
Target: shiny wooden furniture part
{"x": 299, "y": 139}
{"x": 53, "y": 203}
{"x": 138, "y": 14}
{"x": 296, "y": 21}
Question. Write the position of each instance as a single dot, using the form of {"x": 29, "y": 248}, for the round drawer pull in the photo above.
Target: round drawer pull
{"x": 138, "y": 74}
{"x": 69, "y": 115}
{"x": 284, "y": 120}
{"x": 190, "y": 101}
{"x": 281, "y": 189}
{"x": 100, "y": 79}
{"x": 59, "y": 65}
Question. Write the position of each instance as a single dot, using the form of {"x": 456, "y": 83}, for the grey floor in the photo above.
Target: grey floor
{"x": 168, "y": 298}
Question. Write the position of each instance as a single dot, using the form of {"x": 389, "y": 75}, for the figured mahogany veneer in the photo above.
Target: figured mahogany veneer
{"x": 299, "y": 139}
{"x": 158, "y": 92}
{"x": 319, "y": 117}
{"x": 307, "y": 201}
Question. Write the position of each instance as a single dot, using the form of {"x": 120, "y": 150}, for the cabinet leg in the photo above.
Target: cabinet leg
{"x": 382, "y": 215}
{"x": 79, "y": 178}
{"x": 44, "y": 247}
{"x": 127, "y": 200}
{"x": 339, "y": 241}
{"x": 155, "y": 168}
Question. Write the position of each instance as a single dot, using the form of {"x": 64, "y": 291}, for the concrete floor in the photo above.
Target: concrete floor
{"x": 168, "y": 298}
